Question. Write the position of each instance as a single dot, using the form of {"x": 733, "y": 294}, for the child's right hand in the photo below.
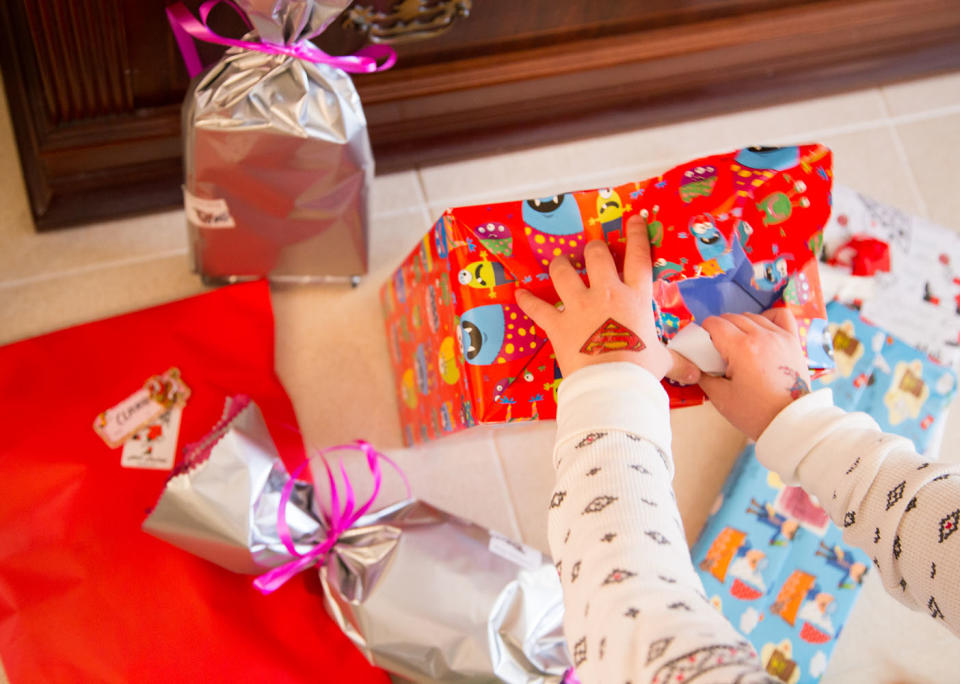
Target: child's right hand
{"x": 766, "y": 368}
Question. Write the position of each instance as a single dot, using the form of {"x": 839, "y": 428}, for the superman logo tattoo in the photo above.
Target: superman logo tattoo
{"x": 612, "y": 337}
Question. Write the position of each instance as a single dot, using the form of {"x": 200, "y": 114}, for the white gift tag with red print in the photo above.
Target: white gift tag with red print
{"x": 155, "y": 445}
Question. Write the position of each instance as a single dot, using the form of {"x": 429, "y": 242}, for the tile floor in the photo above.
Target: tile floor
{"x": 898, "y": 144}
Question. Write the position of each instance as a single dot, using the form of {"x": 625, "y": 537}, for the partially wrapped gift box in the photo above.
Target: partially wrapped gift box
{"x": 729, "y": 233}
{"x": 425, "y": 594}
{"x": 905, "y": 390}
{"x": 775, "y": 565}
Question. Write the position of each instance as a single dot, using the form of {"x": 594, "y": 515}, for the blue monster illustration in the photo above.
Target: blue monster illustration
{"x": 497, "y": 333}
{"x": 554, "y": 227}
{"x": 744, "y": 231}
{"x": 771, "y": 276}
{"x": 711, "y": 244}
{"x": 769, "y": 158}
{"x": 422, "y": 373}
{"x": 733, "y": 291}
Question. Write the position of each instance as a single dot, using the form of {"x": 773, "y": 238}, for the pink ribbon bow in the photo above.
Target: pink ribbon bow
{"x": 338, "y": 520}
{"x": 186, "y": 28}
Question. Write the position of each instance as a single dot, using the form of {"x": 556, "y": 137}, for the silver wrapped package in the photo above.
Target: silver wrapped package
{"x": 422, "y": 593}
{"x": 277, "y": 161}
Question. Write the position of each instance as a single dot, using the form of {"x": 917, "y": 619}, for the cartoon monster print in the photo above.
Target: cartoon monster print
{"x": 778, "y": 206}
{"x": 497, "y": 333}
{"x": 783, "y": 525}
{"x": 408, "y": 391}
{"x": 610, "y": 210}
{"x": 425, "y": 379}
{"x": 798, "y": 290}
{"x": 754, "y": 166}
{"x": 496, "y": 237}
{"x": 554, "y": 227}
{"x": 446, "y": 416}
{"x": 400, "y": 285}
{"x": 697, "y": 182}
{"x": 711, "y": 244}
{"x": 432, "y": 306}
{"x": 654, "y": 225}
{"x": 839, "y": 558}
{"x": 744, "y": 231}
{"x": 771, "y": 276}
{"x": 664, "y": 270}
{"x": 447, "y": 361}
{"x": 557, "y": 378}
{"x": 485, "y": 274}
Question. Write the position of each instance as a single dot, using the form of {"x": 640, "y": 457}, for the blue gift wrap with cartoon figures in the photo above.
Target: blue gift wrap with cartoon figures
{"x": 773, "y": 563}
{"x": 770, "y": 558}
{"x": 901, "y": 387}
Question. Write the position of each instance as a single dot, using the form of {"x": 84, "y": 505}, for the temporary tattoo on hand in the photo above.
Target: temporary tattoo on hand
{"x": 612, "y": 337}
{"x": 799, "y": 386}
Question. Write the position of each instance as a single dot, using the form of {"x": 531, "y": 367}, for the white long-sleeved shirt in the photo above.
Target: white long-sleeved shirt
{"x": 636, "y": 610}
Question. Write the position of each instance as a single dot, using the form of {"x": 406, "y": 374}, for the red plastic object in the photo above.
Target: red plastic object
{"x": 85, "y": 595}
{"x": 864, "y": 255}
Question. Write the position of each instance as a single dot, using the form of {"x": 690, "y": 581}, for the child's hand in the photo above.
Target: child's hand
{"x": 611, "y": 320}
{"x": 766, "y": 369}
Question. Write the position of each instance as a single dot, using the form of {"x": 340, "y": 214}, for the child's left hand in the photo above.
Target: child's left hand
{"x": 611, "y": 320}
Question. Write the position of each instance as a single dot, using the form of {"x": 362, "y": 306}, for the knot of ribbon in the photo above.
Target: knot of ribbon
{"x": 338, "y": 520}
{"x": 187, "y": 27}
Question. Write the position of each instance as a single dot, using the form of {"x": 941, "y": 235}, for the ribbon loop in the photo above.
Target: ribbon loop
{"x": 338, "y": 519}
{"x": 187, "y": 28}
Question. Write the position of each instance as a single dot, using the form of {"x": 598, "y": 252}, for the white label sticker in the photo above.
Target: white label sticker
{"x": 154, "y": 446}
{"x": 522, "y": 555}
{"x": 207, "y": 213}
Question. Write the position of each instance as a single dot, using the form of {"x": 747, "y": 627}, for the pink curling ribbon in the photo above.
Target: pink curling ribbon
{"x": 338, "y": 520}
{"x": 186, "y": 28}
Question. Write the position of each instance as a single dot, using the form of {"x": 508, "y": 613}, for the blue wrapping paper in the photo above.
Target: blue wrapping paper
{"x": 901, "y": 387}
{"x": 773, "y": 563}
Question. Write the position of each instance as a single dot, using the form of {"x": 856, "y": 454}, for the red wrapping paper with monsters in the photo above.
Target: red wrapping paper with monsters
{"x": 729, "y": 233}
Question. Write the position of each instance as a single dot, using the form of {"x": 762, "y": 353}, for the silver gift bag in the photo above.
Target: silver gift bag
{"x": 277, "y": 161}
{"x": 422, "y": 593}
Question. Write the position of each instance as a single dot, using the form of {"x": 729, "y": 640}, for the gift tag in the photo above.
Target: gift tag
{"x": 516, "y": 553}
{"x": 207, "y": 213}
{"x": 158, "y": 395}
{"x": 155, "y": 445}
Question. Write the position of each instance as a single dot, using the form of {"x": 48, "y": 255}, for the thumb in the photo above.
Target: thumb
{"x": 683, "y": 370}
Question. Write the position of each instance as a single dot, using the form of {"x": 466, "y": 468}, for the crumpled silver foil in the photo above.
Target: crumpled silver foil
{"x": 422, "y": 593}
{"x": 277, "y": 160}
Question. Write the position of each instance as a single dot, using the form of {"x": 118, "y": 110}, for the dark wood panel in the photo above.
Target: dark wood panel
{"x": 465, "y": 92}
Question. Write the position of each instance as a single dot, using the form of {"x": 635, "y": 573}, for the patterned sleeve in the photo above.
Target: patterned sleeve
{"x": 900, "y": 509}
{"x": 635, "y": 608}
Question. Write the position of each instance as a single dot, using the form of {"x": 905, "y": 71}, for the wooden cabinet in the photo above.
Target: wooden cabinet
{"x": 95, "y": 86}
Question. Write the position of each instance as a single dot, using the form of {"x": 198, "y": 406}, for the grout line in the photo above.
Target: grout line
{"x": 905, "y": 159}
{"x": 90, "y": 268}
{"x": 812, "y": 135}
{"x": 422, "y": 199}
{"x": 502, "y": 473}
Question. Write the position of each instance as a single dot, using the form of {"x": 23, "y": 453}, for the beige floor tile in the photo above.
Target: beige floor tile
{"x": 395, "y": 192}
{"x": 805, "y": 121}
{"x": 869, "y": 161}
{"x": 620, "y": 157}
{"x": 923, "y": 94}
{"x": 932, "y": 146}
{"x": 42, "y": 306}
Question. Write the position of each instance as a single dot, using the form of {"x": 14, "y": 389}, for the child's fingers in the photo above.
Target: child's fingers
{"x": 636, "y": 262}
{"x": 539, "y": 311}
{"x": 743, "y": 324}
{"x": 683, "y": 370}
{"x": 600, "y": 266}
{"x": 565, "y": 279}
{"x": 783, "y": 318}
{"x": 763, "y": 322}
{"x": 724, "y": 335}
